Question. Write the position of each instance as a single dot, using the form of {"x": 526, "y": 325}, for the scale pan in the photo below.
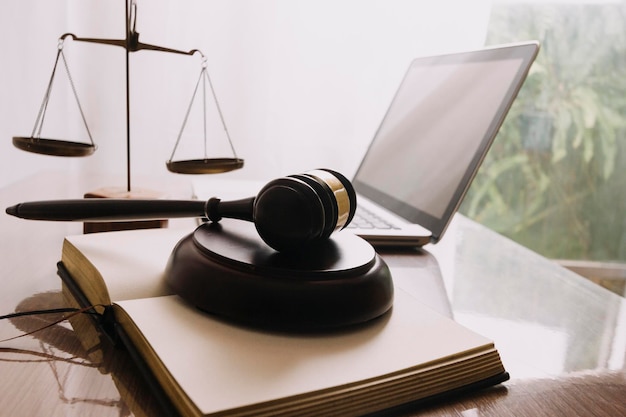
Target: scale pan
{"x": 53, "y": 147}
{"x": 205, "y": 166}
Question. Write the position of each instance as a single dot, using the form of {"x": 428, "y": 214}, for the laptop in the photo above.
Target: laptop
{"x": 428, "y": 147}
{"x": 432, "y": 140}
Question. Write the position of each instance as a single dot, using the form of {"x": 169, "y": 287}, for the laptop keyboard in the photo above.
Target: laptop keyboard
{"x": 365, "y": 219}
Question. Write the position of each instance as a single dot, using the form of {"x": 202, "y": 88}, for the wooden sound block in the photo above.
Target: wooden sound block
{"x": 227, "y": 270}
{"x": 118, "y": 192}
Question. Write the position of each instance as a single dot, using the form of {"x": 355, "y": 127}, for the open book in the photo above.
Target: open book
{"x": 207, "y": 366}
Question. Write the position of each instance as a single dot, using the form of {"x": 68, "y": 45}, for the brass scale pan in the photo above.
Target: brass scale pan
{"x": 53, "y": 147}
{"x": 205, "y": 166}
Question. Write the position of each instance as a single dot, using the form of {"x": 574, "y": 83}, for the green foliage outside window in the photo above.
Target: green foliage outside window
{"x": 553, "y": 179}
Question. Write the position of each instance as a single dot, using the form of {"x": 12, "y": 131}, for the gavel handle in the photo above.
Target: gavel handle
{"x": 105, "y": 209}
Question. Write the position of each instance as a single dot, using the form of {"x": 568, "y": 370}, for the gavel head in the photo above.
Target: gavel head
{"x": 299, "y": 210}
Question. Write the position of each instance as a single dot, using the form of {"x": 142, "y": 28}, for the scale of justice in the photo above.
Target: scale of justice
{"x": 282, "y": 268}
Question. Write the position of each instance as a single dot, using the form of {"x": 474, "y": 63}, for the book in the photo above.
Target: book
{"x": 206, "y": 366}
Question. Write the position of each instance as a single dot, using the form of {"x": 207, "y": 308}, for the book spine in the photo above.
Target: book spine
{"x": 104, "y": 321}
{"x": 119, "y": 338}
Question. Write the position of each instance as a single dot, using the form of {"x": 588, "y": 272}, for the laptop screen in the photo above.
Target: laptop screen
{"x": 437, "y": 131}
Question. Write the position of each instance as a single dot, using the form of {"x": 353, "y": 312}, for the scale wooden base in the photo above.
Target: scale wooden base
{"x": 119, "y": 192}
{"x": 227, "y": 270}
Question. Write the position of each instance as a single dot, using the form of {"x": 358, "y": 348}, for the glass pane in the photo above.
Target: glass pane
{"x": 553, "y": 179}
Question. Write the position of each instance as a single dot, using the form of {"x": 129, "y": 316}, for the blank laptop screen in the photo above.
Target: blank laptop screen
{"x": 437, "y": 130}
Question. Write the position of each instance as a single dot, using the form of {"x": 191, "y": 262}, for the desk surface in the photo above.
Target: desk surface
{"x": 562, "y": 338}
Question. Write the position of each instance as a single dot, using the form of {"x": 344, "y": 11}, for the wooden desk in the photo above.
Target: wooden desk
{"x": 562, "y": 338}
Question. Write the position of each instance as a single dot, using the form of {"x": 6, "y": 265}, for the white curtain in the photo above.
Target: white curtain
{"x": 301, "y": 83}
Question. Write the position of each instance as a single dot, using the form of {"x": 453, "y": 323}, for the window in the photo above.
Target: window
{"x": 553, "y": 180}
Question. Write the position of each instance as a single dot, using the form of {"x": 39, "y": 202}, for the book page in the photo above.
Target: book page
{"x": 131, "y": 262}
{"x": 222, "y": 366}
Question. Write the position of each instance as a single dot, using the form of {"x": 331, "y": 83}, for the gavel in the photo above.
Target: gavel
{"x": 289, "y": 213}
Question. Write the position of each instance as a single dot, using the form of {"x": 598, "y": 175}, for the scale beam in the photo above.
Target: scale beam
{"x": 132, "y": 44}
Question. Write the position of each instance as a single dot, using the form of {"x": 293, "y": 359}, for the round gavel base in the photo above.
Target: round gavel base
{"x": 227, "y": 270}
